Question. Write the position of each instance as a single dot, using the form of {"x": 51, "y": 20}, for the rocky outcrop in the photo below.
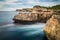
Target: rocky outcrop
{"x": 26, "y": 17}
{"x": 30, "y": 17}
{"x": 36, "y": 13}
{"x": 43, "y": 17}
{"x": 52, "y": 28}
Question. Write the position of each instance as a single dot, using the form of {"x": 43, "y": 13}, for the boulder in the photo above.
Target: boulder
{"x": 52, "y": 28}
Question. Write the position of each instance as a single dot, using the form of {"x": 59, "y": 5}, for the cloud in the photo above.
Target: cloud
{"x": 2, "y": 0}
{"x": 10, "y": 0}
{"x": 1, "y": 5}
{"x": 14, "y": 4}
{"x": 49, "y": 0}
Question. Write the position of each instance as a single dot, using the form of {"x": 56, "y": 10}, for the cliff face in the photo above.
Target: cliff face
{"x": 26, "y": 17}
{"x": 32, "y": 17}
{"x": 33, "y": 14}
{"x": 52, "y": 28}
{"x": 43, "y": 17}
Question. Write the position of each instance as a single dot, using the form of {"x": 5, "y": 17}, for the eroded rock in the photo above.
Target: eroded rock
{"x": 52, "y": 28}
{"x": 26, "y": 17}
{"x": 36, "y": 13}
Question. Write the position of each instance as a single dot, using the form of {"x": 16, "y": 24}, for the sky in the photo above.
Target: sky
{"x": 12, "y": 5}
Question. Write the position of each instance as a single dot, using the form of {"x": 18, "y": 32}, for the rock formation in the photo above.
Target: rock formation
{"x": 52, "y": 28}
{"x": 33, "y": 14}
{"x": 32, "y": 17}
{"x": 26, "y": 17}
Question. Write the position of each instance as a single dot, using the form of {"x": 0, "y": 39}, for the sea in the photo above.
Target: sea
{"x": 11, "y": 31}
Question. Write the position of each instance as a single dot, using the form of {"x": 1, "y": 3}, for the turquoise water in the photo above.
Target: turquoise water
{"x": 11, "y": 31}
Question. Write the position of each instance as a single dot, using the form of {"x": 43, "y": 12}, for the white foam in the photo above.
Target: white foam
{"x": 8, "y": 25}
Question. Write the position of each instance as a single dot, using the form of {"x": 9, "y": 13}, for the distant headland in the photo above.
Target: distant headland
{"x": 36, "y": 14}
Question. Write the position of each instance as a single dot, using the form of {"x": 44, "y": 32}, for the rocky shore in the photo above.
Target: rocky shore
{"x": 35, "y": 14}
{"x": 52, "y": 28}
{"x": 39, "y": 14}
{"x": 25, "y": 18}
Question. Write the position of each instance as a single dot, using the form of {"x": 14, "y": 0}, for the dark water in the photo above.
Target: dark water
{"x": 11, "y": 31}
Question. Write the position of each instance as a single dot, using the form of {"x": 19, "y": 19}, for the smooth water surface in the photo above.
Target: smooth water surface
{"x": 11, "y": 31}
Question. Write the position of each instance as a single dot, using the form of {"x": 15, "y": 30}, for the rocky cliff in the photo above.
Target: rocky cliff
{"x": 26, "y": 17}
{"x": 52, "y": 28}
{"x": 33, "y": 14}
{"x": 32, "y": 17}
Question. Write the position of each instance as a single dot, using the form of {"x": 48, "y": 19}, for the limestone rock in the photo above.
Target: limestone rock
{"x": 52, "y": 28}
{"x": 43, "y": 17}
{"x": 26, "y": 17}
{"x": 36, "y": 13}
{"x": 32, "y": 17}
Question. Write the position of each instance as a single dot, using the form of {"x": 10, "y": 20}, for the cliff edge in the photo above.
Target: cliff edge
{"x": 52, "y": 28}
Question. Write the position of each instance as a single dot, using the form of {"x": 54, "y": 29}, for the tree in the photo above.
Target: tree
{"x": 36, "y": 6}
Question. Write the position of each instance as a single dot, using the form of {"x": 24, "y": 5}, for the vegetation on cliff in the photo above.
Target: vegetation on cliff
{"x": 38, "y": 6}
{"x": 56, "y": 7}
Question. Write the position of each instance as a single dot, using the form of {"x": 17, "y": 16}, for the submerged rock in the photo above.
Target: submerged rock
{"x": 52, "y": 28}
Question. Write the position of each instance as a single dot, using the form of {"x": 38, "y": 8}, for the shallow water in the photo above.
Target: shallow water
{"x": 11, "y": 31}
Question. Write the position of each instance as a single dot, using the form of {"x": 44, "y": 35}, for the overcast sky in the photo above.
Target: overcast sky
{"x": 11, "y": 5}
